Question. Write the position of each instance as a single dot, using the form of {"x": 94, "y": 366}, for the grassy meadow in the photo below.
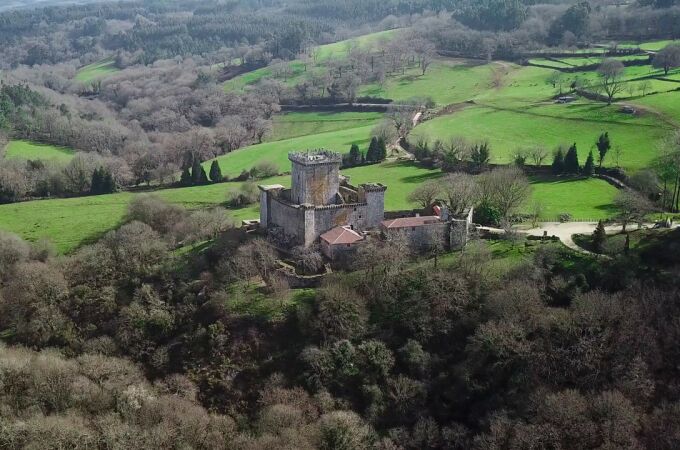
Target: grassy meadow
{"x": 296, "y": 124}
{"x": 583, "y": 198}
{"x": 509, "y": 131}
{"x": 322, "y": 55}
{"x": 27, "y": 150}
{"x": 96, "y": 70}
{"x": 277, "y": 151}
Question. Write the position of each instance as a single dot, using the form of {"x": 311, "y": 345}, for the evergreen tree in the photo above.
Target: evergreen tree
{"x": 373, "y": 153}
{"x": 599, "y": 237}
{"x": 480, "y": 154}
{"x": 603, "y": 145}
{"x": 589, "y": 168}
{"x": 382, "y": 150}
{"x": 215, "y": 172}
{"x": 108, "y": 183}
{"x": 354, "y": 155}
{"x": 185, "y": 178}
{"x": 558, "y": 162}
{"x": 96, "y": 184}
{"x": 571, "y": 164}
{"x": 202, "y": 176}
{"x": 197, "y": 172}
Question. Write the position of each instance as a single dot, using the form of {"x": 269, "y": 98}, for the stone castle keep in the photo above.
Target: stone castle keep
{"x": 319, "y": 200}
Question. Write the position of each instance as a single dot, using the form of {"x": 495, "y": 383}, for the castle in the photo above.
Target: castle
{"x": 322, "y": 207}
{"x": 318, "y": 201}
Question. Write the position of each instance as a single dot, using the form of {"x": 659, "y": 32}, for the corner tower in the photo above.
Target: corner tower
{"x": 315, "y": 177}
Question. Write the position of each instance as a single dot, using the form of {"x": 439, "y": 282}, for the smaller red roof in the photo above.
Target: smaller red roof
{"x": 341, "y": 235}
{"x": 409, "y": 222}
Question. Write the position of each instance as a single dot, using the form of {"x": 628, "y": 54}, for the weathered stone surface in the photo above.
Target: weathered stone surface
{"x": 316, "y": 203}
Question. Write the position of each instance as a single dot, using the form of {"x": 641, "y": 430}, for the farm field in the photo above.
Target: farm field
{"x": 32, "y": 151}
{"x": 70, "y": 223}
{"x": 96, "y": 70}
{"x": 299, "y": 70}
{"x": 296, "y": 124}
{"x": 446, "y": 81}
{"x": 510, "y": 130}
{"x": 667, "y": 104}
{"x": 277, "y": 152}
{"x": 649, "y": 46}
{"x": 583, "y": 199}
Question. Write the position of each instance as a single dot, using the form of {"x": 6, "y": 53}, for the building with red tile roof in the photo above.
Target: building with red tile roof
{"x": 339, "y": 240}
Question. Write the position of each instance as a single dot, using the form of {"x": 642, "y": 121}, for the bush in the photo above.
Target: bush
{"x": 487, "y": 214}
{"x": 264, "y": 169}
{"x": 246, "y": 194}
{"x": 564, "y": 217}
{"x": 152, "y": 210}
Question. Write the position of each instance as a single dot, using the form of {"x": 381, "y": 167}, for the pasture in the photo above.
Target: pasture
{"x": 277, "y": 152}
{"x": 509, "y": 131}
{"x": 296, "y": 124}
{"x": 26, "y": 150}
{"x": 582, "y": 198}
{"x": 96, "y": 70}
{"x": 317, "y": 61}
{"x": 446, "y": 81}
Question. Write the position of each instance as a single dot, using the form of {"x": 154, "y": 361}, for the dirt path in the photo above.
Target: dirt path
{"x": 566, "y": 231}
{"x": 416, "y": 118}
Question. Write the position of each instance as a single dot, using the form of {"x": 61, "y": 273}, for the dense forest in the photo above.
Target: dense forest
{"x": 126, "y": 345}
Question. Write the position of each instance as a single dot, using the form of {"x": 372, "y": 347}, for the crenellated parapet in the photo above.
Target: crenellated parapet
{"x": 315, "y": 157}
{"x": 373, "y": 187}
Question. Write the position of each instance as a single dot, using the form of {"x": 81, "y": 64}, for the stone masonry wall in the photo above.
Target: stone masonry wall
{"x": 315, "y": 184}
{"x": 327, "y": 218}
{"x": 423, "y": 237}
{"x": 289, "y": 218}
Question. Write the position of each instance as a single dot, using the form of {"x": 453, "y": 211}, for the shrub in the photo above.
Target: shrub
{"x": 264, "y": 169}
{"x": 564, "y": 217}
{"x": 246, "y": 194}
{"x": 487, "y": 214}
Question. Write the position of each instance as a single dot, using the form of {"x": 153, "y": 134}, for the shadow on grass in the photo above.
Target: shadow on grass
{"x": 96, "y": 237}
{"x": 542, "y": 179}
{"x": 414, "y": 179}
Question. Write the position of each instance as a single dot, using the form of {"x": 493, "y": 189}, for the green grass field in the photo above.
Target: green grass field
{"x": 584, "y": 199}
{"x": 668, "y": 104}
{"x": 277, "y": 152}
{"x": 290, "y": 125}
{"x": 324, "y": 53}
{"x": 70, "y": 223}
{"x": 97, "y": 70}
{"x": 446, "y": 81}
{"x": 551, "y": 125}
{"x": 31, "y": 151}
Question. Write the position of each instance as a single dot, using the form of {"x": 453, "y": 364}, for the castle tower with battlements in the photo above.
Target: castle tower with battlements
{"x": 315, "y": 177}
{"x": 318, "y": 201}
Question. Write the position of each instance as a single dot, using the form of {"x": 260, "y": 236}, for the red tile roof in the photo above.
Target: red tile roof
{"x": 409, "y": 222}
{"x": 341, "y": 235}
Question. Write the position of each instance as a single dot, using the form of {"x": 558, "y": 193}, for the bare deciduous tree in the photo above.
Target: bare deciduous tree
{"x": 506, "y": 187}
{"x": 538, "y": 154}
{"x": 611, "y": 71}
{"x": 460, "y": 190}
{"x": 425, "y": 194}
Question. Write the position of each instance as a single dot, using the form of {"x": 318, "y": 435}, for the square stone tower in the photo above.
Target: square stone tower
{"x": 315, "y": 177}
